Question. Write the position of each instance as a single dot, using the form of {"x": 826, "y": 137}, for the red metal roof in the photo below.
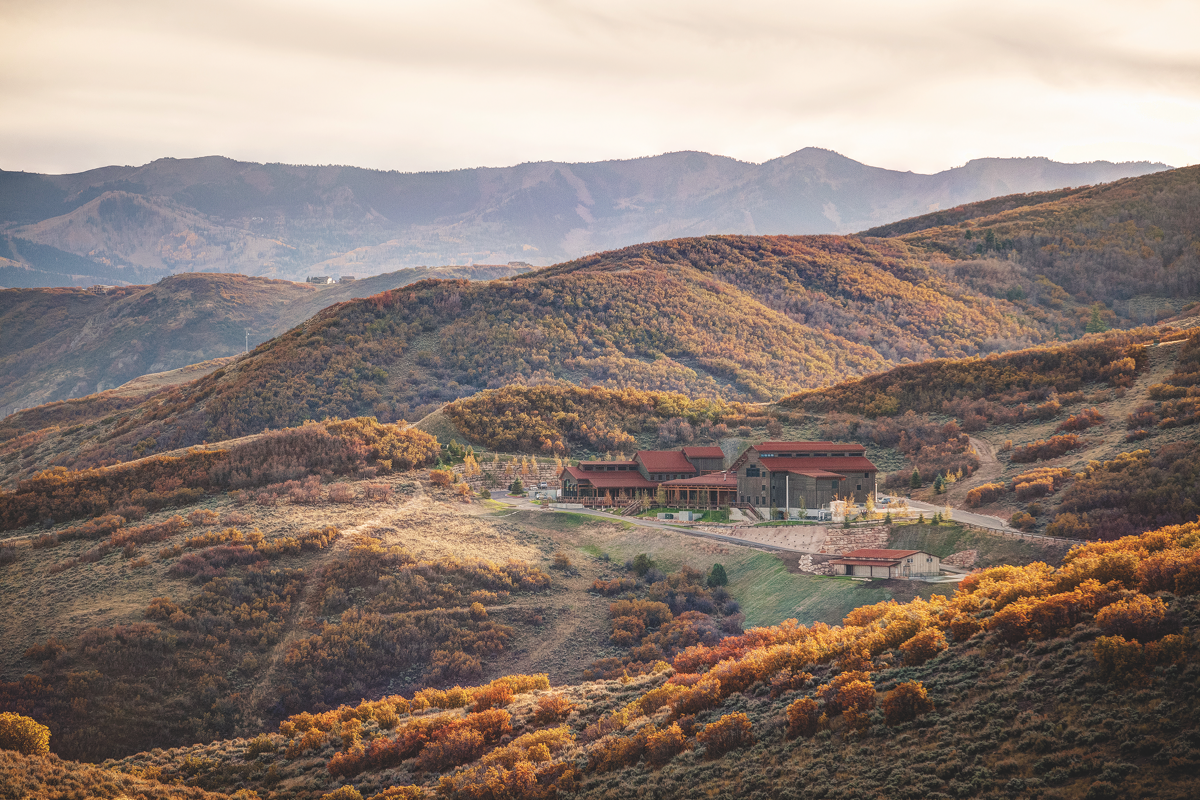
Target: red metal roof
{"x": 718, "y": 480}
{"x": 610, "y": 480}
{"x": 704, "y": 452}
{"x": 809, "y": 447}
{"x": 610, "y": 463}
{"x": 828, "y": 463}
{"x": 665, "y": 461}
{"x": 817, "y": 473}
{"x": 871, "y": 552}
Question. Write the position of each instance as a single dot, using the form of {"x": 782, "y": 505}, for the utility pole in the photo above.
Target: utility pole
{"x": 247, "y": 340}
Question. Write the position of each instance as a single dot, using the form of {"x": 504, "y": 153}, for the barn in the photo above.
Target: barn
{"x": 877, "y": 563}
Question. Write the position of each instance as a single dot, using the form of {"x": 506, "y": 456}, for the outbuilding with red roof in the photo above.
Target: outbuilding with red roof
{"x": 879, "y": 563}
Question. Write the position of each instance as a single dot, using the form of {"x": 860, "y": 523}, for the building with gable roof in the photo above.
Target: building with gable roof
{"x": 799, "y": 476}
{"x": 878, "y": 563}
{"x": 803, "y": 475}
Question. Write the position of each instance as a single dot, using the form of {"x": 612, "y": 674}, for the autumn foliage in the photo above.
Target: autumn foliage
{"x": 361, "y": 447}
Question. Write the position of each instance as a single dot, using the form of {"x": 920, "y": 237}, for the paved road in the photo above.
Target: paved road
{"x": 992, "y": 523}
{"x": 981, "y": 520}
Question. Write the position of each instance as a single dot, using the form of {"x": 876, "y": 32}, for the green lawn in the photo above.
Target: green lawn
{"x": 994, "y": 549}
{"x": 770, "y": 594}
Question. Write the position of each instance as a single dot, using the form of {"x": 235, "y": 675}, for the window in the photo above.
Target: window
{"x": 752, "y": 471}
{"x": 859, "y": 488}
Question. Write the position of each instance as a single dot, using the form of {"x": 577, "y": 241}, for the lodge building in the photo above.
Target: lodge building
{"x": 793, "y": 476}
{"x": 804, "y": 476}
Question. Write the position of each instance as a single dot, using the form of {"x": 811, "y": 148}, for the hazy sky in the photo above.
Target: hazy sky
{"x": 413, "y": 85}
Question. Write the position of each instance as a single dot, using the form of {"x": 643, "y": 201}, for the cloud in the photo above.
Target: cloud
{"x": 437, "y": 85}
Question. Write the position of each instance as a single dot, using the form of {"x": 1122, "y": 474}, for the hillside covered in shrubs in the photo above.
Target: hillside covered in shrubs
{"x": 360, "y": 447}
{"x": 1119, "y": 244}
{"x": 1028, "y": 681}
{"x": 730, "y": 317}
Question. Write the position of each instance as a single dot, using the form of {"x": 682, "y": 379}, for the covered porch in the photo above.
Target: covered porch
{"x": 715, "y": 490}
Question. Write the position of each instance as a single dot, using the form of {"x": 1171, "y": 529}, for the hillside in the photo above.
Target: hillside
{"x": 278, "y": 591}
{"x": 57, "y": 344}
{"x": 1131, "y": 245}
{"x": 119, "y": 225}
{"x": 741, "y": 318}
{"x": 1028, "y": 681}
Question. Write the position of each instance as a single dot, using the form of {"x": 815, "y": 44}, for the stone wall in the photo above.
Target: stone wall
{"x": 843, "y": 540}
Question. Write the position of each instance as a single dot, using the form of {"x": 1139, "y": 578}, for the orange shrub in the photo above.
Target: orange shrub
{"x": 1082, "y": 421}
{"x": 848, "y": 690}
{"x": 614, "y": 587}
{"x": 906, "y": 702}
{"x": 1040, "y": 482}
{"x": 803, "y": 718}
{"x": 730, "y": 732}
{"x": 663, "y": 745}
{"x": 704, "y": 695}
{"x": 441, "y": 477}
{"x": 552, "y": 708}
{"x": 1045, "y": 449}
{"x": 987, "y": 493}
{"x": 924, "y": 646}
{"x": 495, "y": 695}
{"x": 1139, "y": 617}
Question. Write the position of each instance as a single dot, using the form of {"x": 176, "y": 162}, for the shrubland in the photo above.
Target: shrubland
{"x": 1057, "y": 253}
{"x": 1029, "y": 680}
{"x": 254, "y": 627}
{"x": 359, "y": 447}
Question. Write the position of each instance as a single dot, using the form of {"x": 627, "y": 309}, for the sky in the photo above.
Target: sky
{"x": 413, "y": 85}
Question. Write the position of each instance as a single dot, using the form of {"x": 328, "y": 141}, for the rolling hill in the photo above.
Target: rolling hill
{"x": 131, "y": 225}
{"x": 1132, "y": 245}
{"x": 56, "y": 344}
{"x": 740, "y": 318}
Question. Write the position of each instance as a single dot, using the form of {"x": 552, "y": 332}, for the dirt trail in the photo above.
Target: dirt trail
{"x": 296, "y": 627}
{"x": 989, "y": 467}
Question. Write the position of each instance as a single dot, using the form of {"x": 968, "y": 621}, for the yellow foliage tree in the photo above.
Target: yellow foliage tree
{"x": 24, "y": 735}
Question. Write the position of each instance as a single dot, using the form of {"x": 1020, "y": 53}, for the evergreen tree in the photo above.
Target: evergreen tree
{"x": 915, "y": 481}
{"x": 1096, "y": 324}
{"x": 717, "y": 576}
{"x": 939, "y": 485}
{"x": 516, "y": 487}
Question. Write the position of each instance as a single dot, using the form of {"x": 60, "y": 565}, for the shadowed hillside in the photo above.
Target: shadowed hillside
{"x": 57, "y": 344}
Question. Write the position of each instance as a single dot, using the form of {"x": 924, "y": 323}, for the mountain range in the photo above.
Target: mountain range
{"x": 133, "y": 225}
